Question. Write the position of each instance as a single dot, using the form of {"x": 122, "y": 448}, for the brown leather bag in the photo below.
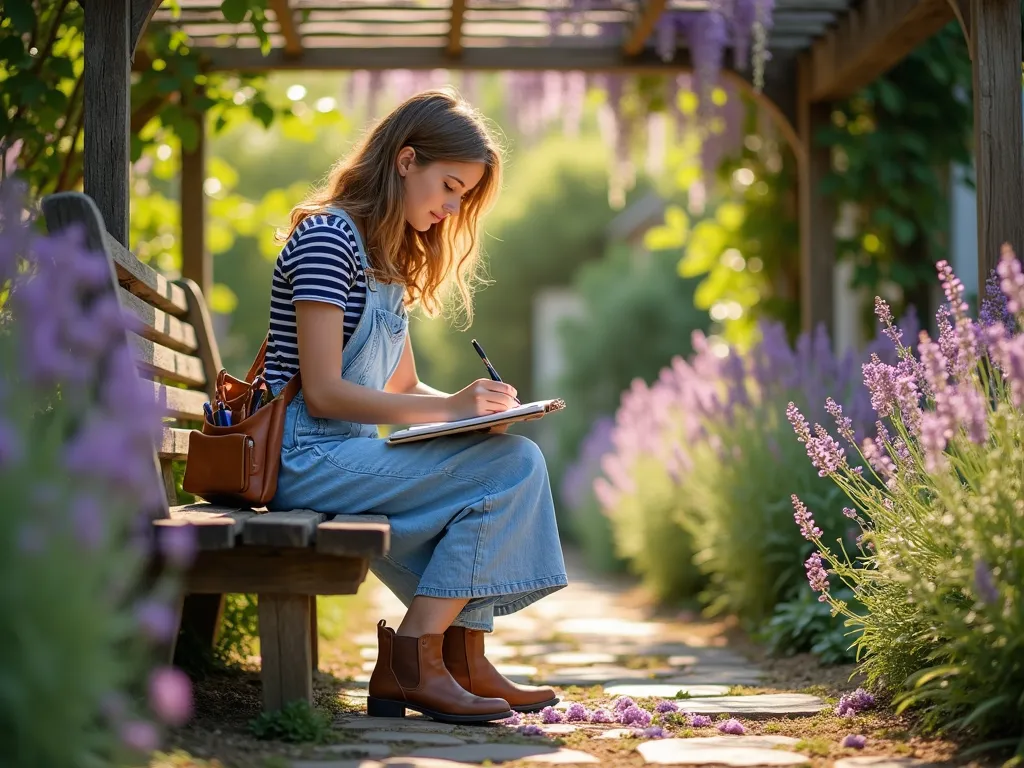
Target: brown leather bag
{"x": 238, "y": 465}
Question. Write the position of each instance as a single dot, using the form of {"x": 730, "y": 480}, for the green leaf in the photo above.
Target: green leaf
{"x": 12, "y": 50}
{"x": 21, "y": 14}
{"x": 234, "y": 10}
{"x": 188, "y": 132}
{"x": 263, "y": 112}
{"x": 61, "y": 66}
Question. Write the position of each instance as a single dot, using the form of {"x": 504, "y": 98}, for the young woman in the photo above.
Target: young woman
{"x": 473, "y": 532}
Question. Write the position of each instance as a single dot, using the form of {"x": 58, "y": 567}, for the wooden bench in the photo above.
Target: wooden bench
{"x": 285, "y": 558}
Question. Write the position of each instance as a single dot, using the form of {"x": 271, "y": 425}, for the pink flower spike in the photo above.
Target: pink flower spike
{"x": 170, "y": 695}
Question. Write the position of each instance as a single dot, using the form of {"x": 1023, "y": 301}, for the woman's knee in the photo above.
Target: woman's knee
{"x": 524, "y": 454}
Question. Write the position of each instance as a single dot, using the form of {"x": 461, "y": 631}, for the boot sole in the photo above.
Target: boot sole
{"x": 527, "y": 708}
{"x": 389, "y": 708}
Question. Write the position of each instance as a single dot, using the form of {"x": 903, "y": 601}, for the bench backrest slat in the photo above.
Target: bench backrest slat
{"x": 174, "y": 347}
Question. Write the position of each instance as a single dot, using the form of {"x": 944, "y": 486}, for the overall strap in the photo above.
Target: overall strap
{"x": 363, "y": 257}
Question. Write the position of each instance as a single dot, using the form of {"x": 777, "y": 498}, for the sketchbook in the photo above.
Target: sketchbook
{"x": 525, "y": 412}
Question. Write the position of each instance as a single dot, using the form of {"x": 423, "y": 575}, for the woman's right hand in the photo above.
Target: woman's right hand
{"x": 481, "y": 398}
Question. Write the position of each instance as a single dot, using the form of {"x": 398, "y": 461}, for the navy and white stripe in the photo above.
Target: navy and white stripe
{"x": 320, "y": 262}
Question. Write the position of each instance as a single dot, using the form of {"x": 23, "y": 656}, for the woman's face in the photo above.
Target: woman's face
{"x": 435, "y": 191}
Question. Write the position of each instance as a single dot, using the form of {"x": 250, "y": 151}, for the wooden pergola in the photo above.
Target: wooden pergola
{"x": 822, "y": 51}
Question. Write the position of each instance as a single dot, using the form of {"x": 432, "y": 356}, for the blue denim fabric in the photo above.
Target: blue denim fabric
{"x": 471, "y": 515}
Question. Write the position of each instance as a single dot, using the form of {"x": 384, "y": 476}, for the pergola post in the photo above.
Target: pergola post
{"x": 995, "y": 31}
{"x": 195, "y": 262}
{"x": 106, "y": 105}
{"x": 817, "y": 213}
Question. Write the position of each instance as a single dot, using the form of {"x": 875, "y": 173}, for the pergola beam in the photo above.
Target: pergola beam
{"x": 458, "y": 12}
{"x": 870, "y": 40}
{"x": 647, "y": 15}
{"x": 285, "y": 15}
{"x": 488, "y": 59}
{"x": 142, "y": 13}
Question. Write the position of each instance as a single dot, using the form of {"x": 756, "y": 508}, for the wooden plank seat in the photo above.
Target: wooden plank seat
{"x": 286, "y": 558}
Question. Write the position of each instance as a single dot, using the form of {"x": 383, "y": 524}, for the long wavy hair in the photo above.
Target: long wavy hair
{"x": 439, "y": 126}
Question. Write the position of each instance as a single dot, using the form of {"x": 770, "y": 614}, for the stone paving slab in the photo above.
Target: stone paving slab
{"x": 422, "y": 724}
{"x": 336, "y": 764}
{"x": 757, "y": 705}
{"x": 577, "y": 658}
{"x": 601, "y": 675}
{"x": 617, "y": 628}
{"x": 357, "y": 750}
{"x": 663, "y": 691}
{"x": 423, "y": 762}
{"x": 435, "y": 739}
{"x": 881, "y": 761}
{"x": 499, "y": 753}
{"x": 730, "y": 752}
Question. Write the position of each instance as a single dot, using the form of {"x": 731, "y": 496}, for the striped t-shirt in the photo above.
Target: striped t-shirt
{"x": 320, "y": 262}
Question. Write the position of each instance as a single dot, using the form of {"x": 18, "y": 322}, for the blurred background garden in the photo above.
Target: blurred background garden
{"x": 644, "y": 265}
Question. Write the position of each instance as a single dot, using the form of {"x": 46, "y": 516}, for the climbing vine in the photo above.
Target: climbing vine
{"x": 41, "y": 90}
{"x": 892, "y": 147}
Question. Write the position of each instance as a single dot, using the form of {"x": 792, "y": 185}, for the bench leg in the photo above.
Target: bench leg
{"x": 314, "y": 634}
{"x": 200, "y": 620}
{"x": 286, "y": 649}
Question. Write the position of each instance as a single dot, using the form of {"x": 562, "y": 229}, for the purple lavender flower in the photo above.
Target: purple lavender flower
{"x": 1012, "y": 283}
{"x": 952, "y": 287}
{"x": 87, "y": 522}
{"x": 634, "y": 715}
{"x": 984, "y": 585}
{"x": 699, "y": 721}
{"x": 140, "y": 736}
{"x": 577, "y": 713}
{"x": 995, "y": 306}
{"x": 156, "y": 620}
{"x": 530, "y": 729}
{"x": 817, "y": 576}
{"x": 851, "y": 704}
{"x": 666, "y": 706}
{"x": 11, "y": 450}
{"x": 601, "y": 716}
{"x": 623, "y": 702}
{"x": 805, "y": 520}
{"x": 550, "y": 716}
{"x": 843, "y": 423}
{"x": 178, "y": 545}
{"x": 733, "y": 726}
{"x": 31, "y": 539}
{"x": 515, "y": 719}
{"x": 170, "y": 695}
{"x": 854, "y": 741}
{"x": 653, "y": 732}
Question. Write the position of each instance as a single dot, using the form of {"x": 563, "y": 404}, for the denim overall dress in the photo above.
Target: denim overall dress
{"x": 471, "y": 515}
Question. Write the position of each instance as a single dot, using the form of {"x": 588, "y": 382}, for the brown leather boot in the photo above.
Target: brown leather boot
{"x": 410, "y": 674}
{"x": 464, "y": 657}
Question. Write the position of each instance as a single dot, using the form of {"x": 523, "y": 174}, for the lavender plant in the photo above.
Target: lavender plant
{"x": 80, "y": 631}
{"x": 709, "y": 441}
{"x": 938, "y": 496}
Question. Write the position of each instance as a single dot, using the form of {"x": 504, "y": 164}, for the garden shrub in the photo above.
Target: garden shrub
{"x": 710, "y": 445}
{"x": 82, "y": 631}
{"x": 938, "y": 496}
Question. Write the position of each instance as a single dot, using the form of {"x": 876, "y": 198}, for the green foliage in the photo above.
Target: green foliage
{"x": 892, "y": 146}
{"x": 648, "y": 534}
{"x": 745, "y": 250}
{"x": 239, "y": 628}
{"x": 296, "y": 722}
{"x": 41, "y": 110}
{"x": 638, "y": 314}
{"x": 736, "y": 505}
{"x": 806, "y": 625}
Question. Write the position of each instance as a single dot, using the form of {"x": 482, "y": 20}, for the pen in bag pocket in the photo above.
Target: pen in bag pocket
{"x": 225, "y": 415}
{"x": 208, "y": 410}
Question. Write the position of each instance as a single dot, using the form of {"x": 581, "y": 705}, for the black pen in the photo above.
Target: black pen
{"x": 490, "y": 368}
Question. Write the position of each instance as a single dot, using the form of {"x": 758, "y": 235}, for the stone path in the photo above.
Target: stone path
{"x": 597, "y": 649}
